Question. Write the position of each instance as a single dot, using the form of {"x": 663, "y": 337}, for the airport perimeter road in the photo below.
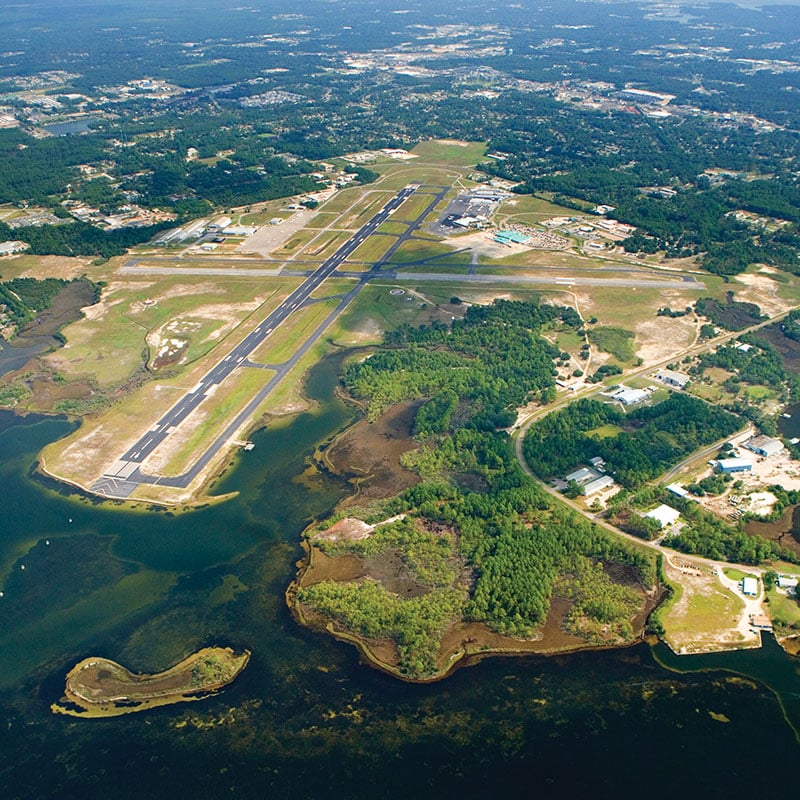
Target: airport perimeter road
{"x": 122, "y": 478}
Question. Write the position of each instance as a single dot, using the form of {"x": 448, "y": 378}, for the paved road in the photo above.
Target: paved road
{"x": 121, "y": 478}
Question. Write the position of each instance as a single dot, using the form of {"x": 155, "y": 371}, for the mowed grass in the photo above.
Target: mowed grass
{"x": 605, "y": 432}
{"x": 282, "y": 344}
{"x": 533, "y": 209}
{"x": 215, "y": 413}
{"x": 373, "y": 249}
{"x": 413, "y": 207}
{"x": 322, "y": 220}
{"x": 417, "y": 250}
{"x": 110, "y": 347}
{"x": 445, "y": 151}
{"x": 784, "y": 610}
{"x": 324, "y": 244}
{"x": 392, "y": 227}
{"x": 296, "y": 242}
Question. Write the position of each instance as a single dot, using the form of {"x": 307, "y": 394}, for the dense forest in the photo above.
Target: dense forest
{"x": 728, "y": 144}
{"x": 498, "y": 555}
{"x": 476, "y": 370}
{"x": 652, "y": 438}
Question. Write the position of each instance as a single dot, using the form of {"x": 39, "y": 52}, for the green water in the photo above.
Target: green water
{"x": 305, "y": 719}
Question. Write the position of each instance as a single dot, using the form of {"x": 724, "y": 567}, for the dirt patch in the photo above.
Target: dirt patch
{"x": 324, "y": 568}
{"x": 369, "y": 454}
{"x": 661, "y": 337}
{"x": 761, "y": 290}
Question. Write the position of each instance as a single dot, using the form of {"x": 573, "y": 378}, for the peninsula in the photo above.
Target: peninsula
{"x": 99, "y": 687}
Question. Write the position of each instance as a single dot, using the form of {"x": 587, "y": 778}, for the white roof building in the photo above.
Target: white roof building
{"x": 582, "y": 476}
{"x": 750, "y": 587}
{"x": 630, "y": 397}
{"x": 598, "y": 485}
{"x": 764, "y": 445}
{"x": 9, "y": 248}
{"x": 677, "y": 490}
{"x": 665, "y": 515}
{"x": 672, "y": 378}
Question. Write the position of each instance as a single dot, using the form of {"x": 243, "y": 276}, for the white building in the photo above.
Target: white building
{"x": 598, "y": 485}
{"x": 582, "y": 476}
{"x": 750, "y": 587}
{"x": 664, "y": 515}
{"x": 630, "y": 397}
{"x": 764, "y": 445}
{"x": 678, "y": 490}
{"x": 9, "y": 248}
{"x": 677, "y": 379}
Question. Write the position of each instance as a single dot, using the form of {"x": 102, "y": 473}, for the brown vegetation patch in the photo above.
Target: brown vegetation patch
{"x": 369, "y": 454}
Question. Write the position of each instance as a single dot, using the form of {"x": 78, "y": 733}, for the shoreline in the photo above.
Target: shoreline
{"x": 98, "y": 687}
{"x": 456, "y": 658}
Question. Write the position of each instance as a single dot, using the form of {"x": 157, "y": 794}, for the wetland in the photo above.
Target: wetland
{"x": 306, "y": 717}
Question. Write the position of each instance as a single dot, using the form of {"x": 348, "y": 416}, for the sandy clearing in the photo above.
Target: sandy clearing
{"x": 661, "y": 337}
{"x": 761, "y": 290}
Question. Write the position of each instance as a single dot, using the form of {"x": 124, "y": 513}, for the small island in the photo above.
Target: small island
{"x": 98, "y": 687}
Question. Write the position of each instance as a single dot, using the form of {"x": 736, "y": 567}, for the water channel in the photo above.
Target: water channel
{"x": 306, "y": 719}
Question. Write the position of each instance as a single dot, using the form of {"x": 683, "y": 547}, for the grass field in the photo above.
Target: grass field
{"x": 283, "y": 343}
{"x": 413, "y": 207}
{"x": 784, "y": 610}
{"x": 445, "y": 151}
{"x": 393, "y": 227}
{"x": 110, "y": 346}
{"x": 611, "y": 339}
{"x": 416, "y": 250}
{"x": 322, "y": 220}
{"x": 703, "y": 614}
{"x": 529, "y": 209}
{"x": 296, "y": 242}
{"x": 605, "y": 432}
{"x": 325, "y": 244}
{"x": 372, "y": 249}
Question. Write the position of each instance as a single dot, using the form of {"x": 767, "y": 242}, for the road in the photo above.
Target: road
{"x": 122, "y": 478}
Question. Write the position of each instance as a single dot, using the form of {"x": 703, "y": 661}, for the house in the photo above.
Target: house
{"x": 730, "y": 465}
{"x": 582, "y": 476}
{"x": 598, "y": 485}
{"x": 764, "y": 445}
{"x": 788, "y": 582}
{"x": 597, "y": 462}
{"x": 750, "y": 587}
{"x": 664, "y": 515}
{"x": 677, "y": 379}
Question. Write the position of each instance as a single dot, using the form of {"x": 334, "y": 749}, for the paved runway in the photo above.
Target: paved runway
{"x": 121, "y": 478}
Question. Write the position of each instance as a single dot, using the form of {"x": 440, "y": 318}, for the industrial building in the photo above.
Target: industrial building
{"x": 629, "y": 397}
{"x": 664, "y": 515}
{"x": 764, "y": 445}
{"x": 598, "y": 485}
{"x": 677, "y": 379}
{"x": 511, "y": 237}
{"x": 730, "y": 465}
{"x": 9, "y": 248}
{"x": 582, "y": 476}
{"x": 750, "y": 587}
